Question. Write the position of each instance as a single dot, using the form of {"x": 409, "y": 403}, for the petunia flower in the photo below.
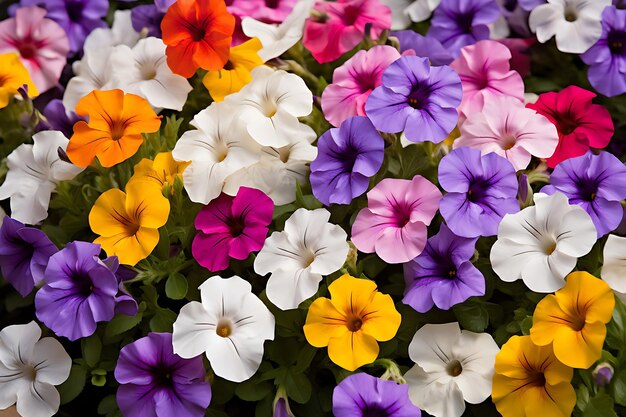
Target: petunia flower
{"x": 198, "y": 35}
{"x": 30, "y": 367}
{"x": 34, "y": 173}
{"x": 529, "y": 5}
{"x": 231, "y": 227}
{"x": 452, "y": 366}
{"x": 354, "y": 81}
{"x": 530, "y": 381}
{"x": 269, "y": 106}
{"x": 352, "y": 322}
{"x": 272, "y": 11}
{"x": 24, "y": 254}
{"x": 541, "y": 244}
{"x": 230, "y": 326}
{"x": 575, "y": 24}
{"x": 485, "y": 73}
{"x": 443, "y": 275}
{"x": 403, "y": 12}
{"x": 416, "y": 98}
{"x": 143, "y": 71}
{"x": 597, "y": 183}
{"x": 297, "y": 258}
{"x": 93, "y": 72}
{"x": 79, "y": 291}
{"x": 337, "y": 27}
{"x": 128, "y": 223}
{"x": 614, "y": 265}
{"x": 276, "y": 40}
{"x": 509, "y": 129}
{"x": 236, "y": 73}
{"x": 394, "y": 222}
{"x": 580, "y": 123}
{"x": 120, "y": 33}
{"x": 413, "y": 42}
{"x": 481, "y": 190}
{"x": 115, "y": 127}
{"x": 218, "y": 147}
{"x": 57, "y": 117}
{"x": 152, "y": 377}
{"x": 40, "y": 42}
{"x": 363, "y": 395}
{"x": 148, "y": 17}
{"x": 574, "y": 320}
{"x": 459, "y": 23}
{"x": 347, "y": 158}
{"x": 13, "y": 75}
{"x": 161, "y": 172}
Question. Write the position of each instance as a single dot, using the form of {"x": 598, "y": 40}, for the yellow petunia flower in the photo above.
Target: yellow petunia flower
{"x": 236, "y": 73}
{"x": 352, "y": 322}
{"x": 529, "y": 381}
{"x": 163, "y": 170}
{"x": 574, "y": 319}
{"x": 13, "y": 75}
{"x": 128, "y": 223}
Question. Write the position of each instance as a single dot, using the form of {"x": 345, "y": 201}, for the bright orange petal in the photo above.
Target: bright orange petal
{"x": 138, "y": 117}
{"x": 85, "y": 143}
{"x": 104, "y": 108}
{"x": 113, "y": 152}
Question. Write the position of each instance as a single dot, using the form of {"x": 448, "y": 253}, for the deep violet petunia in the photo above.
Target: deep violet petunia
{"x": 443, "y": 275}
{"x": 155, "y": 382}
{"x": 423, "y": 46}
{"x": 481, "y": 190}
{"x": 347, "y": 158}
{"x": 597, "y": 183}
{"x": 58, "y": 118}
{"x": 416, "y": 98}
{"x": 24, "y": 254}
{"x": 232, "y": 227}
{"x": 148, "y": 17}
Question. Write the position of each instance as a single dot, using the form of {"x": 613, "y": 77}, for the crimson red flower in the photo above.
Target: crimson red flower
{"x": 580, "y": 123}
{"x": 198, "y": 34}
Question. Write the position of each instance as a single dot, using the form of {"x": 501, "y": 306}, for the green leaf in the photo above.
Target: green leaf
{"x": 107, "y": 405}
{"x": 92, "y": 348}
{"x": 600, "y": 406}
{"x": 472, "y": 316}
{"x": 122, "y": 323}
{"x": 619, "y": 388}
{"x": 616, "y": 329}
{"x": 176, "y": 286}
{"x": 305, "y": 357}
{"x": 298, "y": 387}
{"x": 253, "y": 390}
{"x": 163, "y": 321}
{"x": 74, "y": 384}
{"x": 582, "y": 397}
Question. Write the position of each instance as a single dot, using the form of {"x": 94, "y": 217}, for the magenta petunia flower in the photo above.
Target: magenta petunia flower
{"x": 354, "y": 81}
{"x": 394, "y": 222}
{"x": 232, "y": 227}
{"x": 41, "y": 43}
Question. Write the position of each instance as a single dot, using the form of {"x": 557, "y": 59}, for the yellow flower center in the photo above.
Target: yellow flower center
{"x": 454, "y": 368}
{"x": 354, "y": 323}
{"x": 550, "y": 247}
{"x": 223, "y": 329}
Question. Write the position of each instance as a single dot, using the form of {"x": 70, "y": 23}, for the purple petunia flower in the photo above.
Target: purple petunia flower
{"x": 607, "y": 58}
{"x": 80, "y": 291}
{"x": 416, "y": 98}
{"x": 347, "y": 158}
{"x": 24, "y": 254}
{"x": 458, "y": 23}
{"x": 597, "y": 183}
{"x": 57, "y": 118}
{"x": 443, "y": 275}
{"x": 154, "y": 381}
{"x": 362, "y": 395}
{"x": 425, "y": 47}
{"x": 481, "y": 190}
{"x": 149, "y": 16}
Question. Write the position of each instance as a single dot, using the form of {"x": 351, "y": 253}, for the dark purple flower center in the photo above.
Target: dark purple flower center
{"x": 510, "y": 5}
{"x": 465, "y": 22}
{"x": 418, "y": 97}
{"x": 617, "y": 42}
{"x": 587, "y": 189}
{"x": 375, "y": 411}
{"x": 75, "y": 10}
{"x": 477, "y": 190}
{"x": 272, "y": 4}
{"x": 237, "y": 226}
{"x": 163, "y": 376}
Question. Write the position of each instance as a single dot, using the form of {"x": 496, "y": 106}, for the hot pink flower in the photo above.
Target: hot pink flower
{"x": 394, "y": 222}
{"x": 267, "y": 11}
{"x": 580, "y": 123}
{"x": 485, "y": 72}
{"x": 510, "y": 130}
{"x": 232, "y": 227}
{"x": 354, "y": 81}
{"x": 340, "y": 26}
{"x": 41, "y": 43}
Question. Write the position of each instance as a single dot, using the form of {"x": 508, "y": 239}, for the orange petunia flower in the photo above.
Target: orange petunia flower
{"x": 198, "y": 34}
{"x": 113, "y": 133}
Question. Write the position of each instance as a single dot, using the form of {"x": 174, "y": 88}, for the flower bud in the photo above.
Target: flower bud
{"x": 603, "y": 374}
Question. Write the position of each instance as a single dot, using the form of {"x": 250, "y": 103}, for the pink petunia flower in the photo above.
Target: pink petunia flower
{"x": 337, "y": 27}
{"x": 394, "y": 222}
{"x": 266, "y": 11}
{"x": 354, "y": 81}
{"x": 510, "y": 130}
{"x": 41, "y": 43}
{"x": 485, "y": 72}
{"x": 232, "y": 227}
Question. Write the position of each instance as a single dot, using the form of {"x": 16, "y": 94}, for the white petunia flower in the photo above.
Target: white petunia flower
{"x": 614, "y": 265}
{"x": 541, "y": 244}
{"x": 452, "y": 366}
{"x": 309, "y": 248}
{"x": 277, "y": 39}
{"x": 93, "y": 72}
{"x": 230, "y": 326}
{"x": 121, "y": 33}
{"x": 30, "y": 367}
{"x": 576, "y": 24}
{"x": 279, "y": 169}
{"x": 217, "y": 148}
{"x": 34, "y": 172}
{"x": 143, "y": 71}
{"x": 270, "y": 104}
